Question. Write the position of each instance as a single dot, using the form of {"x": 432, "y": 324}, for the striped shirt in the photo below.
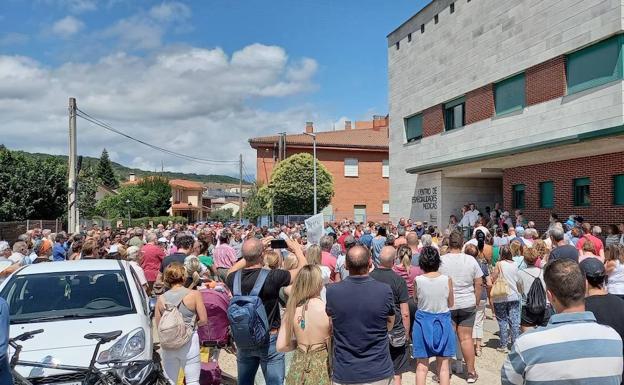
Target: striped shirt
{"x": 572, "y": 350}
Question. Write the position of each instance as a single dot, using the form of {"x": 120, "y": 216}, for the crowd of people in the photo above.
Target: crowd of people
{"x": 369, "y": 302}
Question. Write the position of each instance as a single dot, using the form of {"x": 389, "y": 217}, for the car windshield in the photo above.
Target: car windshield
{"x": 67, "y": 295}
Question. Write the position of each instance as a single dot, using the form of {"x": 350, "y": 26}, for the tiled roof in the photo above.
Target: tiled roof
{"x": 186, "y": 184}
{"x": 355, "y": 138}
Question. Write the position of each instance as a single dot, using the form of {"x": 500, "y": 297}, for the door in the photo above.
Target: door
{"x": 359, "y": 213}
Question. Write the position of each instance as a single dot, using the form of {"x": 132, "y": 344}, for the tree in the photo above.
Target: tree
{"x": 222, "y": 215}
{"x": 158, "y": 191}
{"x": 105, "y": 172}
{"x": 292, "y": 187}
{"x": 31, "y": 189}
{"x": 87, "y": 188}
{"x": 258, "y": 203}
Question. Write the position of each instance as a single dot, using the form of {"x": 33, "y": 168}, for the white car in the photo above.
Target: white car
{"x": 71, "y": 299}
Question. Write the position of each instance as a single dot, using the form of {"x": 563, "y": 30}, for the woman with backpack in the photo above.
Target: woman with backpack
{"x": 536, "y": 310}
{"x": 505, "y": 298}
{"x": 179, "y": 311}
{"x": 306, "y": 329}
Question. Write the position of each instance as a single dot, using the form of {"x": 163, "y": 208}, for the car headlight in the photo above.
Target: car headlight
{"x": 129, "y": 346}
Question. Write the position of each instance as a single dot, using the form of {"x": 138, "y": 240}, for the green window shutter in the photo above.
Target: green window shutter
{"x": 509, "y": 94}
{"x": 618, "y": 189}
{"x": 413, "y": 128}
{"x": 547, "y": 195}
{"x": 595, "y": 65}
{"x": 518, "y": 196}
{"x": 581, "y": 192}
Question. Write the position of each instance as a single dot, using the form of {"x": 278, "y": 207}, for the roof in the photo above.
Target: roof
{"x": 185, "y": 206}
{"x": 354, "y": 138}
{"x": 71, "y": 266}
{"x": 426, "y": 14}
{"x": 186, "y": 184}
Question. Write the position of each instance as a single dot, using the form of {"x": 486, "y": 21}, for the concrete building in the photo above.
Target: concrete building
{"x": 356, "y": 157}
{"x": 510, "y": 101}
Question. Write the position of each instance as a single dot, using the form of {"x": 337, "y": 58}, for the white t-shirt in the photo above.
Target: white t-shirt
{"x": 510, "y": 274}
{"x": 432, "y": 293}
{"x": 463, "y": 269}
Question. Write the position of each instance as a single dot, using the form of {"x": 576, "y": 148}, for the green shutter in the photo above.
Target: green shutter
{"x": 509, "y": 94}
{"x": 547, "y": 195}
{"x": 413, "y": 128}
{"x": 595, "y": 65}
{"x": 618, "y": 189}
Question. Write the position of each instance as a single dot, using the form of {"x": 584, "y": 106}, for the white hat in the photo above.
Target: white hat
{"x": 4, "y": 246}
{"x": 162, "y": 240}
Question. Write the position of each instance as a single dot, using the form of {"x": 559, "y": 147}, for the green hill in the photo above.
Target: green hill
{"x": 122, "y": 171}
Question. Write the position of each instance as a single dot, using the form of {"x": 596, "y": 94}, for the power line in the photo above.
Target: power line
{"x": 108, "y": 127}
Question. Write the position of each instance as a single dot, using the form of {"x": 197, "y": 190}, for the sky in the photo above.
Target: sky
{"x": 198, "y": 77}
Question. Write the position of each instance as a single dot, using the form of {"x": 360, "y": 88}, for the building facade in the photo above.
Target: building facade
{"x": 511, "y": 101}
{"x": 356, "y": 157}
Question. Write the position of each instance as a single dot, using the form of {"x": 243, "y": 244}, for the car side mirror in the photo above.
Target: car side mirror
{"x": 152, "y": 305}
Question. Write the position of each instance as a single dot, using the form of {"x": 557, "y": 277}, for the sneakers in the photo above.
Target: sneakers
{"x": 472, "y": 378}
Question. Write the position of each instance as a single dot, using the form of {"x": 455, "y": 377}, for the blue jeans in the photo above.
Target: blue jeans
{"x": 5, "y": 372}
{"x": 266, "y": 357}
{"x": 508, "y": 316}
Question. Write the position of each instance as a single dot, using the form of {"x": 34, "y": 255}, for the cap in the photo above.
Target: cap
{"x": 162, "y": 240}
{"x": 592, "y": 267}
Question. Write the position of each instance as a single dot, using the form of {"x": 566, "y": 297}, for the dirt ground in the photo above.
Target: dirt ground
{"x": 488, "y": 365}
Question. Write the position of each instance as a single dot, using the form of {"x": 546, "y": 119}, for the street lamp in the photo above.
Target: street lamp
{"x": 190, "y": 212}
{"x": 314, "y": 155}
{"x": 128, "y": 206}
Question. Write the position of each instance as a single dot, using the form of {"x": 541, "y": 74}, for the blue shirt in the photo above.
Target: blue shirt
{"x": 4, "y": 328}
{"x": 366, "y": 240}
{"x": 359, "y": 308}
{"x": 571, "y": 349}
{"x": 58, "y": 252}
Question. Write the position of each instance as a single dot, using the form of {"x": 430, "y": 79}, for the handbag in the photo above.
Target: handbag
{"x": 500, "y": 288}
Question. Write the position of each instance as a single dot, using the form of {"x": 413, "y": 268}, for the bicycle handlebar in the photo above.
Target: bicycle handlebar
{"x": 27, "y": 335}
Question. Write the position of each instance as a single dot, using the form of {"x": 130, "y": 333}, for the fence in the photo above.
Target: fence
{"x": 11, "y": 230}
{"x": 336, "y": 216}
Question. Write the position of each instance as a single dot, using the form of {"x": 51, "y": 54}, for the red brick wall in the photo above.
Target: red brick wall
{"x": 369, "y": 188}
{"x": 480, "y": 104}
{"x": 546, "y": 81}
{"x": 600, "y": 169}
{"x": 433, "y": 120}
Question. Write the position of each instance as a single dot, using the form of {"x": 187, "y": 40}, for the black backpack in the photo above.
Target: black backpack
{"x": 536, "y": 298}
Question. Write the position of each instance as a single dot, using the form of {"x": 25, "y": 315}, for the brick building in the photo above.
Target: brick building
{"x": 356, "y": 156}
{"x": 517, "y": 102}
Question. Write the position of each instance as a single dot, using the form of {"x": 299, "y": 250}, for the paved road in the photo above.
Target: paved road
{"x": 488, "y": 365}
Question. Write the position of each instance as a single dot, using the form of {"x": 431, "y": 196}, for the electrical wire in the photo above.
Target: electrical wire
{"x": 108, "y": 127}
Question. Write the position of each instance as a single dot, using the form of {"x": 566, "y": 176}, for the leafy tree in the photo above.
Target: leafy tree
{"x": 158, "y": 191}
{"x": 292, "y": 186}
{"x": 258, "y": 203}
{"x": 222, "y": 215}
{"x": 129, "y": 200}
{"x": 30, "y": 188}
{"x": 105, "y": 172}
{"x": 87, "y": 188}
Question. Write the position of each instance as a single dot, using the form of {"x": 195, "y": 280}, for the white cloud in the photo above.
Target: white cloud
{"x": 75, "y": 6}
{"x": 170, "y": 12}
{"x": 67, "y": 26}
{"x": 13, "y": 38}
{"x": 191, "y": 100}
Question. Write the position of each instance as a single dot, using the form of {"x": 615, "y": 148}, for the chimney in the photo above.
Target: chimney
{"x": 380, "y": 121}
{"x": 309, "y": 127}
{"x": 347, "y": 124}
{"x": 132, "y": 177}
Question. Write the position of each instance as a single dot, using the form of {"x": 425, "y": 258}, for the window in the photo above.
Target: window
{"x": 350, "y": 167}
{"x": 385, "y": 168}
{"x": 454, "y": 114}
{"x": 385, "y": 207}
{"x": 452, "y": 7}
{"x": 178, "y": 196}
{"x": 436, "y": 19}
{"x": 509, "y": 94}
{"x": 422, "y": 28}
{"x": 547, "y": 195}
{"x": 595, "y": 65}
{"x": 618, "y": 189}
{"x": 397, "y": 45}
{"x": 413, "y": 128}
{"x": 359, "y": 213}
{"x": 581, "y": 192}
{"x": 409, "y": 37}
{"x": 518, "y": 196}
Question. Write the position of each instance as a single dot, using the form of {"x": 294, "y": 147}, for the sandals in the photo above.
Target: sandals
{"x": 472, "y": 377}
{"x": 478, "y": 351}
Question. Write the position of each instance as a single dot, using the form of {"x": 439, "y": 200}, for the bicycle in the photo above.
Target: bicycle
{"x": 127, "y": 373}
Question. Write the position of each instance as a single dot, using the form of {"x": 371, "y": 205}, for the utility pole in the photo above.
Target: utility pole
{"x": 240, "y": 188}
{"x": 314, "y": 165}
{"x": 73, "y": 224}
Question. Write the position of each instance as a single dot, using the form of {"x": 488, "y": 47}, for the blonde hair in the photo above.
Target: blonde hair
{"x": 313, "y": 255}
{"x": 541, "y": 248}
{"x": 516, "y": 248}
{"x": 290, "y": 262}
{"x": 589, "y": 246}
{"x": 308, "y": 284}
{"x": 174, "y": 274}
{"x": 405, "y": 256}
{"x": 272, "y": 259}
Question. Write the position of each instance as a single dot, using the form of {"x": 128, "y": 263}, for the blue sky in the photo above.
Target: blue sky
{"x": 258, "y": 67}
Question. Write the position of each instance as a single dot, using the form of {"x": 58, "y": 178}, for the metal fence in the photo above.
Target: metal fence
{"x": 336, "y": 216}
{"x": 11, "y": 230}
